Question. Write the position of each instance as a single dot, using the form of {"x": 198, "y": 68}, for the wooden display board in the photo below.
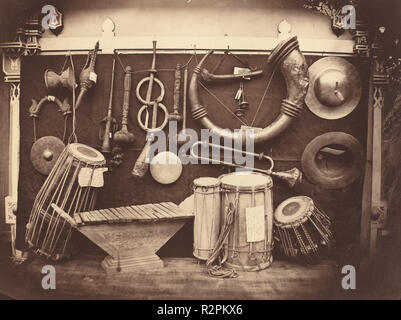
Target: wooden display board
{"x": 343, "y": 206}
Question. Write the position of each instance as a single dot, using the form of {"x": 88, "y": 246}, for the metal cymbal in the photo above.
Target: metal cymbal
{"x": 45, "y": 152}
{"x": 334, "y": 89}
{"x": 333, "y": 160}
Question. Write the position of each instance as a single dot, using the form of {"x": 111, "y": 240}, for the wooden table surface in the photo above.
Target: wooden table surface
{"x": 181, "y": 278}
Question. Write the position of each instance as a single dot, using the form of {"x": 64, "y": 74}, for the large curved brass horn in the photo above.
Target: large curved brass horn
{"x": 293, "y": 66}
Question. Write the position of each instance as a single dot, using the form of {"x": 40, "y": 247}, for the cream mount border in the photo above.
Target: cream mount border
{"x": 173, "y": 45}
{"x": 108, "y": 42}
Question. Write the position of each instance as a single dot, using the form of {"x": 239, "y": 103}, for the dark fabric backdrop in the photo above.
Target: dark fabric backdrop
{"x": 343, "y": 206}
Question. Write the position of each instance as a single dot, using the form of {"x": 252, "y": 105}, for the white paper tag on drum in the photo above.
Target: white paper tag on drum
{"x": 89, "y": 177}
{"x": 255, "y": 224}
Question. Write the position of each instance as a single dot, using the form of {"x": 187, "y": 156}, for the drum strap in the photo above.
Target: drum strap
{"x": 217, "y": 270}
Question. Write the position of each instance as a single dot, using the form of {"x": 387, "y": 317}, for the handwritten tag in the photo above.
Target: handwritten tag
{"x": 93, "y": 76}
{"x": 243, "y": 71}
{"x": 89, "y": 177}
{"x": 255, "y": 224}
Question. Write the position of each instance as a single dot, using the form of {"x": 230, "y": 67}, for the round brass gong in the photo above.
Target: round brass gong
{"x": 45, "y": 152}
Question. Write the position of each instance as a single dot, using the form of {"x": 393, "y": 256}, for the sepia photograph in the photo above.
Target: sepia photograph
{"x": 200, "y": 154}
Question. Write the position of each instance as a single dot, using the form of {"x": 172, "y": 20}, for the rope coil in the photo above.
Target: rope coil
{"x": 219, "y": 253}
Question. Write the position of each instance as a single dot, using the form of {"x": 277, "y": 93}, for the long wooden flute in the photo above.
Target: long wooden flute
{"x": 123, "y": 137}
{"x": 110, "y": 121}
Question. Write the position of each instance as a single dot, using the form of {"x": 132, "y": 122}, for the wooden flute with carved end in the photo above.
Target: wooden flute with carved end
{"x": 123, "y": 138}
{"x": 109, "y": 122}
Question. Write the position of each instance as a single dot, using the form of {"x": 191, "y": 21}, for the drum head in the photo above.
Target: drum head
{"x": 166, "y": 167}
{"x": 86, "y": 154}
{"x": 245, "y": 181}
{"x": 206, "y": 182}
{"x": 293, "y": 210}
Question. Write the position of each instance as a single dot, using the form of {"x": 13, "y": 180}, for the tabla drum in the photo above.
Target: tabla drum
{"x": 207, "y": 204}
{"x": 250, "y": 240}
{"x": 303, "y": 230}
{"x": 72, "y": 186}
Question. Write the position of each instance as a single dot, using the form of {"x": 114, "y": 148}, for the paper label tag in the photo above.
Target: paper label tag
{"x": 89, "y": 177}
{"x": 255, "y": 224}
{"x": 93, "y": 76}
{"x": 238, "y": 70}
{"x": 10, "y": 208}
{"x": 51, "y": 98}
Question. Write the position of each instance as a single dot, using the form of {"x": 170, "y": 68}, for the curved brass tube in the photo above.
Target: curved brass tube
{"x": 295, "y": 71}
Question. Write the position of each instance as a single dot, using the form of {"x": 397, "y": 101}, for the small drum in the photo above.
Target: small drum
{"x": 207, "y": 216}
{"x": 250, "y": 240}
{"x": 72, "y": 186}
{"x": 302, "y": 229}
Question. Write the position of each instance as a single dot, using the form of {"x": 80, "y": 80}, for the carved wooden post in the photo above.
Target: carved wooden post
{"x": 25, "y": 42}
{"x": 374, "y": 215}
{"x": 11, "y": 69}
{"x": 379, "y": 82}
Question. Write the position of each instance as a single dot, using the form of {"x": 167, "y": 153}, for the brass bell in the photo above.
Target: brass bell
{"x": 239, "y": 112}
{"x": 244, "y": 105}
{"x": 54, "y": 80}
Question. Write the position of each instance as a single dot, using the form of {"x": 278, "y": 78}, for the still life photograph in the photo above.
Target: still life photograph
{"x": 200, "y": 155}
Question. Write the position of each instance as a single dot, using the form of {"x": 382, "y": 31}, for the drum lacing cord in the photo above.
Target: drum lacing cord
{"x": 258, "y": 256}
{"x": 218, "y": 270}
{"x": 322, "y": 224}
{"x": 305, "y": 249}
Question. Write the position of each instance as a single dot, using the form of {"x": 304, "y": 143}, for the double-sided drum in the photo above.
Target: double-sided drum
{"x": 72, "y": 186}
{"x": 302, "y": 229}
{"x": 207, "y": 203}
{"x": 250, "y": 240}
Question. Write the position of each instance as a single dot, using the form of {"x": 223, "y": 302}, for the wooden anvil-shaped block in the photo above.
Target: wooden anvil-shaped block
{"x": 133, "y": 234}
